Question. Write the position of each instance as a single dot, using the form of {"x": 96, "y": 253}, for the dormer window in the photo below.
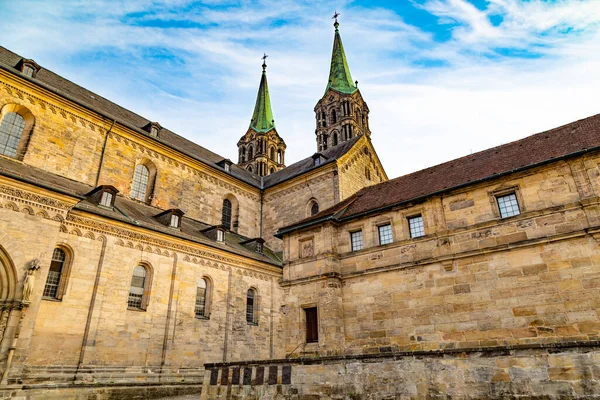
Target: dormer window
{"x": 106, "y": 199}
{"x": 225, "y": 164}
{"x": 170, "y": 218}
{"x": 28, "y": 67}
{"x": 28, "y": 71}
{"x": 317, "y": 159}
{"x": 259, "y": 247}
{"x": 153, "y": 128}
{"x": 220, "y": 235}
{"x": 174, "y": 221}
{"x": 103, "y": 196}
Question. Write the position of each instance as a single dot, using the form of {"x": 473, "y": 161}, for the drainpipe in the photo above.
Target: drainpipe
{"x": 102, "y": 153}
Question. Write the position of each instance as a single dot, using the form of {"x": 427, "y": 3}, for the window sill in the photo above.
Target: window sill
{"x": 52, "y": 299}
{"x": 253, "y": 323}
{"x": 202, "y": 317}
{"x": 135, "y": 309}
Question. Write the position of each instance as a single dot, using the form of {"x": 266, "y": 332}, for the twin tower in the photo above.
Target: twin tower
{"x": 341, "y": 114}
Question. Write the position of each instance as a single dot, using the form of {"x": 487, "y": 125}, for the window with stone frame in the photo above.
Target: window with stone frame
{"x": 416, "y": 226}
{"x": 385, "y": 234}
{"x": 226, "y": 214}
{"x": 57, "y": 275}
{"x": 356, "y": 240}
{"x": 508, "y": 205}
{"x": 312, "y": 325}
{"x": 314, "y": 208}
{"x": 139, "y": 186}
{"x": 11, "y": 130}
{"x": 251, "y": 306}
{"x": 139, "y": 288}
{"x": 203, "y": 290}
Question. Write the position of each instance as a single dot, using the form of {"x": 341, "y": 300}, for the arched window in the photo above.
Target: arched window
{"x": 139, "y": 186}
{"x": 314, "y": 209}
{"x": 323, "y": 119}
{"x": 325, "y": 140}
{"x": 272, "y": 153}
{"x": 203, "y": 295}
{"x": 367, "y": 173}
{"x": 249, "y": 168}
{"x": 138, "y": 291}
{"x": 57, "y": 275}
{"x": 226, "y": 214}
{"x": 242, "y": 154}
{"x": 333, "y": 116}
{"x": 271, "y": 170}
{"x": 279, "y": 157}
{"x": 335, "y": 138}
{"x": 250, "y": 153}
{"x": 251, "y": 306}
{"x": 11, "y": 130}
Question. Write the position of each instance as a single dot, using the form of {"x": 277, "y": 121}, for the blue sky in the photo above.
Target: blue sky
{"x": 442, "y": 78}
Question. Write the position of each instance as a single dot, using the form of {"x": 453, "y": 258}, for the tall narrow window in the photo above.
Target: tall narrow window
{"x": 333, "y": 117}
{"x": 272, "y": 153}
{"x": 251, "y": 306}
{"x": 250, "y": 153}
{"x": 174, "y": 222}
{"x": 138, "y": 285}
{"x": 55, "y": 273}
{"x": 11, "y": 130}
{"x": 312, "y": 325}
{"x": 356, "y": 240}
{"x": 385, "y": 234}
{"x": 335, "y": 138}
{"x": 140, "y": 183}
{"x": 226, "y": 214}
{"x": 508, "y": 205}
{"x": 416, "y": 227}
{"x": 201, "y": 291}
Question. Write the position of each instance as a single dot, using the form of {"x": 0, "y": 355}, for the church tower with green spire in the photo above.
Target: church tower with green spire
{"x": 341, "y": 114}
{"x": 261, "y": 149}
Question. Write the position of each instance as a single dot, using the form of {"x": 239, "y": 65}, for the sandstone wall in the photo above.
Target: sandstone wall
{"x": 359, "y": 169}
{"x": 288, "y": 203}
{"x": 569, "y": 372}
{"x": 68, "y": 140}
{"x": 485, "y": 281}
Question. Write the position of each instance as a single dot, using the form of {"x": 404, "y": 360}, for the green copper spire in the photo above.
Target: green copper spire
{"x": 339, "y": 73}
{"x": 262, "y": 118}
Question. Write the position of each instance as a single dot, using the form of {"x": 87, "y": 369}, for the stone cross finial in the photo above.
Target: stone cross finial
{"x": 264, "y": 58}
{"x": 335, "y": 16}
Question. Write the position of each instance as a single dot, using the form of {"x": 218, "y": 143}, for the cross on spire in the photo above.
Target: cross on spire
{"x": 335, "y": 16}
{"x": 264, "y": 58}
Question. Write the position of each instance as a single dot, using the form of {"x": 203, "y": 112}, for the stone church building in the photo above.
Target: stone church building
{"x": 134, "y": 262}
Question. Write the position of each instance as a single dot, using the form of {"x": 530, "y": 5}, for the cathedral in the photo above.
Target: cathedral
{"x": 137, "y": 264}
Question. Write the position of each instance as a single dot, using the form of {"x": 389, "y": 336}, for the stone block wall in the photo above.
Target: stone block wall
{"x": 557, "y": 372}
{"x": 359, "y": 168}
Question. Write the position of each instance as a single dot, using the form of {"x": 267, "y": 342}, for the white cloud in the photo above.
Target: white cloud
{"x": 420, "y": 116}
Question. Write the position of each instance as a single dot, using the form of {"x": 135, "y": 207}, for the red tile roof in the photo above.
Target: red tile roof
{"x": 571, "y": 139}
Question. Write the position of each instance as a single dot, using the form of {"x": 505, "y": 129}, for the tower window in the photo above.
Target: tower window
{"x": 226, "y": 214}
{"x": 508, "y": 205}
{"x": 314, "y": 209}
{"x": 11, "y": 130}
{"x": 356, "y": 240}
{"x": 333, "y": 117}
{"x": 416, "y": 227}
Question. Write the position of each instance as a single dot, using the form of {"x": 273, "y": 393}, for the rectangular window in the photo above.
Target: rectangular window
{"x": 312, "y": 325}
{"x": 416, "y": 227}
{"x": 508, "y": 205}
{"x": 174, "y": 221}
{"x": 356, "y": 239}
{"x": 106, "y": 199}
{"x": 385, "y": 234}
